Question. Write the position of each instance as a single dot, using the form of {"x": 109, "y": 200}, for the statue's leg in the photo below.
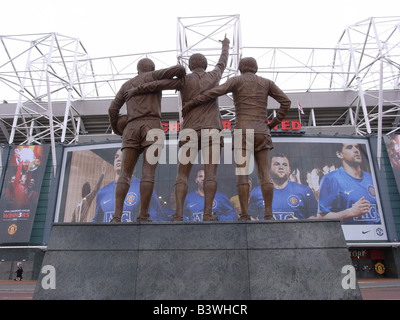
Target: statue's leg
{"x": 243, "y": 189}
{"x": 188, "y": 150}
{"x": 267, "y": 190}
{"x": 242, "y": 151}
{"x": 211, "y": 146}
{"x": 181, "y": 189}
{"x": 146, "y": 188}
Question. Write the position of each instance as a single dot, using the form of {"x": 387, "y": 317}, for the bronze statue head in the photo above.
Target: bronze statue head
{"x": 145, "y": 65}
{"x": 248, "y": 65}
{"x": 196, "y": 61}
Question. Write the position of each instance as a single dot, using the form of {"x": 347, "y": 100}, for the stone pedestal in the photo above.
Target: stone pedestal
{"x": 298, "y": 259}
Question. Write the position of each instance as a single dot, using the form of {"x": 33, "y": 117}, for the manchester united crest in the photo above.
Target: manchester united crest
{"x": 131, "y": 199}
{"x": 293, "y": 200}
{"x": 12, "y": 229}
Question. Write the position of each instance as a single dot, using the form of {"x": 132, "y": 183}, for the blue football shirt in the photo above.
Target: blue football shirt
{"x": 105, "y": 201}
{"x": 339, "y": 191}
{"x": 295, "y": 200}
{"x": 194, "y": 207}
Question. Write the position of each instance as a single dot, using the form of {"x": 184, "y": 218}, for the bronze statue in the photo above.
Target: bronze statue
{"x": 143, "y": 115}
{"x": 250, "y": 95}
{"x": 205, "y": 117}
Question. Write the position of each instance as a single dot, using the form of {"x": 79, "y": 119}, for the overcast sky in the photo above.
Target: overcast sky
{"x": 116, "y": 27}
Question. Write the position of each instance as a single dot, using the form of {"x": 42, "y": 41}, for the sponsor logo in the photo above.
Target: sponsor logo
{"x": 379, "y": 232}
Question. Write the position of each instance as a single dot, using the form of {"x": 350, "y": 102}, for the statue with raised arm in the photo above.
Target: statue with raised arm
{"x": 250, "y": 97}
{"x": 207, "y": 117}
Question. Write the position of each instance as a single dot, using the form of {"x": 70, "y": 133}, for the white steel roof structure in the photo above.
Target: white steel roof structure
{"x": 53, "y": 91}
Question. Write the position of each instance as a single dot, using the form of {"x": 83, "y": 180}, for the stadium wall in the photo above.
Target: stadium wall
{"x": 31, "y": 252}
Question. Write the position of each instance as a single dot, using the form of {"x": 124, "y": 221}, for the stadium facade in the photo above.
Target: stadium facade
{"x": 54, "y": 127}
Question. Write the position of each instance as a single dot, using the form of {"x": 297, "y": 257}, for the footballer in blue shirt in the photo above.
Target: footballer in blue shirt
{"x": 193, "y": 208}
{"x": 291, "y": 200}
{"x": 348, "y": 193}
{"x": 105, "y": 199}
{"x": 105, "y": 204}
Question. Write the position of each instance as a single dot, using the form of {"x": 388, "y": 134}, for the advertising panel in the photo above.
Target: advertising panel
{"x": 323, "y": 178}
{"x": 340, "y": 173}
{"x": 392, "y": 143}
{"x": 19, "y": 197}
{"x": 1, "y": 162}
{"x": 87, "y": 187}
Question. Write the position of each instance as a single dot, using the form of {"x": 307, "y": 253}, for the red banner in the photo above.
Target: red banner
{"x": 19, "y": 197}
{"x": 286, "y": 125}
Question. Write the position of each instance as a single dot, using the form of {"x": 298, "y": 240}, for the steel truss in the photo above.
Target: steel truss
{"x": 372, "y": 62}
{"x": 47, "y": 76}
{"x": 53, "y": 70}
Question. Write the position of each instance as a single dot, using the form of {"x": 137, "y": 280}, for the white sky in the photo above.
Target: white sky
{"x": 116, "y": 27}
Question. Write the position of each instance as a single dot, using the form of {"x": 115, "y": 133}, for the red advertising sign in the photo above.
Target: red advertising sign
{"x": 19, "y": 197}
{"x": 286, "y": 125}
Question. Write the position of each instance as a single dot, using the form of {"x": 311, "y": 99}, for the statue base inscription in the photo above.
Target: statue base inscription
{"x": 255, "y": 260}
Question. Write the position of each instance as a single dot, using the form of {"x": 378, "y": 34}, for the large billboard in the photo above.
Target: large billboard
{"x": 324, "y": 178}
{"x": 1, "y": 161}
{"x": 20, "y": 193}
{"x": 393, "y": 148}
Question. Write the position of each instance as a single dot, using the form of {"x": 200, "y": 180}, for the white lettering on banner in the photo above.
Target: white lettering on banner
{"x": 49, "y": 280}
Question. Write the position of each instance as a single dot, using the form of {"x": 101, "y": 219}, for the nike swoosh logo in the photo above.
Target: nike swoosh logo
{"x": 364, "y": 232}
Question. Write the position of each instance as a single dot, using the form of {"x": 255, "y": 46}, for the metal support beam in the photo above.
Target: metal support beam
{"x": 362, "y": 71}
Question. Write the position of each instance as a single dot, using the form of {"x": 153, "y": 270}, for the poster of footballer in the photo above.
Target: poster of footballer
{"x": 392, "y": 143}
{"x": 341, "y": 176}
{"x": 19, "y": 197}
{"x": 313, "y": 178}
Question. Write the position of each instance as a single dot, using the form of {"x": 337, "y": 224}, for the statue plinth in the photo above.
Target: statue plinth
{"x": 277, "y": 260}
